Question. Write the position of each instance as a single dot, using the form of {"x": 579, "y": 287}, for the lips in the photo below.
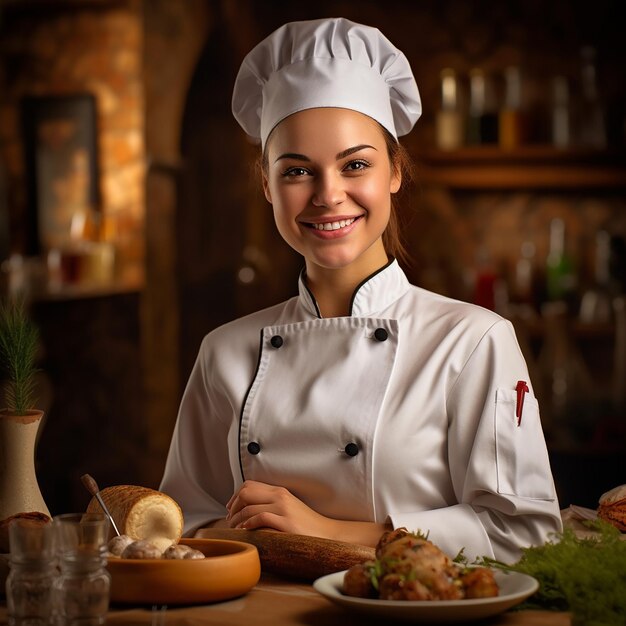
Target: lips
{"x": 332, "y": 226}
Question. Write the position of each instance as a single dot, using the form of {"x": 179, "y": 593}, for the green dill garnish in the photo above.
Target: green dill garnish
{"x": 378, "y": 568}
{"x": 586, "y": 576}
{"x": 375, "y": 571}
{"x": 460, "y": 557}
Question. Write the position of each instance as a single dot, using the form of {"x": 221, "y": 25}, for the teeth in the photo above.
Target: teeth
{"x": 334, "y": 225}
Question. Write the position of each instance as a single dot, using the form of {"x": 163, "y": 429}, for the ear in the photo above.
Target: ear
{"x": 266, "y": 189}
{"x": 396, "y": 180}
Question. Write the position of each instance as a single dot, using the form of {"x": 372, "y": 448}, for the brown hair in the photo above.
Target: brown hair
{"x": 402, "y": 165}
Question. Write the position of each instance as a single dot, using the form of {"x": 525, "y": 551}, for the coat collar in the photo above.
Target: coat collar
{"x": 373, "y": 295}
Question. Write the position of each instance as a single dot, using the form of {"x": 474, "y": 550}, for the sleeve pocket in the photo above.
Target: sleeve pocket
{"x": 522, "y": 459}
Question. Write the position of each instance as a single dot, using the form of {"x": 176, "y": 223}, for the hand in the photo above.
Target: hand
{"x": 259, "y": 505}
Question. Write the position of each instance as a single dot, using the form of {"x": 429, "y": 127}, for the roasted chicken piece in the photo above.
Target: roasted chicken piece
{"x": 357, "y": 581}
{"x": 478, "y": 582}
{"x": 410, "y": 567}
{"x": 425, "y": 572}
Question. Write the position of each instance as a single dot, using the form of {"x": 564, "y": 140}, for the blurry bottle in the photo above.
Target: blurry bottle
{"x": 482, "y": 122}
{"x": 525, "y": 288}
{"x": 512, "y": 119}
{"x": 561, "y": 114}
{"x": 617, "y": 264}
{"x": 561, "y": 280}
{"x": 616, "y": 122}
{"x": 564, "y": 379}
{"x": 619, "y": 359}
{"x": 449, "y": 123}
{"x": 490, "y": 289}
{"x": 4, "y": 216}
{"x": 596, "y": 305}
{"x": 591, "y": 128}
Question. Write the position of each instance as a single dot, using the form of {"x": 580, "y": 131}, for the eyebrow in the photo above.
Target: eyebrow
{"x": 292, "y": 155}
{"x": 340, "y": 155}
{"x": 344, "y": 153}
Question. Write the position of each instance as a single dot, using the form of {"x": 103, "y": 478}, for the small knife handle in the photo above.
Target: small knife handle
{"x": 90, "y": 484}
{"x": 92, "y": 488}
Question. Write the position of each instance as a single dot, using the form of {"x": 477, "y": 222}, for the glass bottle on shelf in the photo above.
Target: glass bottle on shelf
{"x": 482, "y": 121}
{"x": 619, "y": 358}
{"x": 617, "y": 264}
{"x": 512, "y": 123}
{"x": 449, "y": 122}
{"x": 596, "y": 305}
{"x": 564, "y": 379}
{"x": 490, "y": 289}
{"x": 5, "y": 243}
{"x": 561, "y": 279}
{"x": 591, "y": 129}
{"x": 561, "y": 114}
{"x": 524, "y": 292}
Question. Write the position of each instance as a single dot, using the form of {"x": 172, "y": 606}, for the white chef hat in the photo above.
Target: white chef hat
{"x": 325, "y": 63}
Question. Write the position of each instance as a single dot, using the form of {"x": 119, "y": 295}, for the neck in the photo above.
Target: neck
{"x": 333, "y": 288}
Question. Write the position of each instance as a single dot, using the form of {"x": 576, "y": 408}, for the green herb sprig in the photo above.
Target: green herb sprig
{"x": 18, "y": 349}
{"x": 586, "y": 576}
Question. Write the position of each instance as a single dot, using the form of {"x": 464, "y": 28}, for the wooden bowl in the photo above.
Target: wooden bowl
{"x": 231, "y": 569}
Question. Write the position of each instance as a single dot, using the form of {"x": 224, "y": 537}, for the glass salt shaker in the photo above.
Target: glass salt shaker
{"x": 32, "y": 573}
{"x": 81, "y": 592}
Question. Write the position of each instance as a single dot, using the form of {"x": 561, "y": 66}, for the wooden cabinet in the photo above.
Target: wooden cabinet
{"x": 534, "y": 167}
{"x": 95, "y": 419}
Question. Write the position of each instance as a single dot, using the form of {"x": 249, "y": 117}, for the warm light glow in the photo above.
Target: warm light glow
{"x": 246, "y": 275}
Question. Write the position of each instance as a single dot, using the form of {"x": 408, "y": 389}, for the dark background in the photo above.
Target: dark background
{"x": 115, "y": 362}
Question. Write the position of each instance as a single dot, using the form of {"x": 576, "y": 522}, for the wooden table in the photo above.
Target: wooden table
{"x": 279, "y": 602}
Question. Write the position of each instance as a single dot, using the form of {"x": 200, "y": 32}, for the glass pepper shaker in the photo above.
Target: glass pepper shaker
{"x": 82, "y": 590}
{"x": 32, "y": 573}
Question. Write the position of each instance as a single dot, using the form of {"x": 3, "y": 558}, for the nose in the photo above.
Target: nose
{"x": 329, "y": 190}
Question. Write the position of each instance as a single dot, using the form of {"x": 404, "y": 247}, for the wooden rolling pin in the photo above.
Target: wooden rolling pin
{"x": 296, "y": 556}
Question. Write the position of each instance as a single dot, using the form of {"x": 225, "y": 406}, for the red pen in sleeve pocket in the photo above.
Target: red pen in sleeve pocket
{"x": 522, "y": 390}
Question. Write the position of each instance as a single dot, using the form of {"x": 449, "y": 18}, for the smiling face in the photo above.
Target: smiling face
{"x": 330, "y": 180}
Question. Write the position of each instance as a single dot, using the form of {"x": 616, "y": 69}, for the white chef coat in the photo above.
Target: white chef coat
{"x": 403, "y": 411}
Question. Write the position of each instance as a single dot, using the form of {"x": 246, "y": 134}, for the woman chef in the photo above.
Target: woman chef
{"x": 365, "y": 402}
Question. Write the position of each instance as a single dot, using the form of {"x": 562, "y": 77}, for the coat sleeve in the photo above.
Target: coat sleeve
{"x": 197, "y": 471}
{"x": 500, "y": 470}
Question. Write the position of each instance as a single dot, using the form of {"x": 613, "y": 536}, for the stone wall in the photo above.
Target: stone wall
{"x": 93, "y": 387}
{"x": 58, "y": 48}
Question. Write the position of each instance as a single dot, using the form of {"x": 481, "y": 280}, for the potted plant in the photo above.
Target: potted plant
{"x": 19, "y": 339}
{"x": 19, "y": 419}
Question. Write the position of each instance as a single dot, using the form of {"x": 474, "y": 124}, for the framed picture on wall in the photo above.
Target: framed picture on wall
{"x": 61, "y": 158}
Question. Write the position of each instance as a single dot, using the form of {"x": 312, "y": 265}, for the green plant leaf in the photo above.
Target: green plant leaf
{"x": 19, "y": 340}
{"x": 585, "y": 576}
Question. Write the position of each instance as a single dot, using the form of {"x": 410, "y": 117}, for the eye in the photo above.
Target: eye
{"x": 356, "y": 165}
{"x": 295, "y": 172}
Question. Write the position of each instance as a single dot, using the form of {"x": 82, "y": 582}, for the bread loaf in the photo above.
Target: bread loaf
{"x": 292, "y": 555}
{"x": 612, "y": 507}
{"x": 142, "y": 513}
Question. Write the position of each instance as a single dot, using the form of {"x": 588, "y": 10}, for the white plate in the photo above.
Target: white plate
{"x": 514, "y": 588}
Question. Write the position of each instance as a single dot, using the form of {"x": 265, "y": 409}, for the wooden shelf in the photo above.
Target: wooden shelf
{"x": 81, "y": 291}
{"x": 57, "y": 6}
{"x": 529, "y": 167}
{"x": 43, "y": 291}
